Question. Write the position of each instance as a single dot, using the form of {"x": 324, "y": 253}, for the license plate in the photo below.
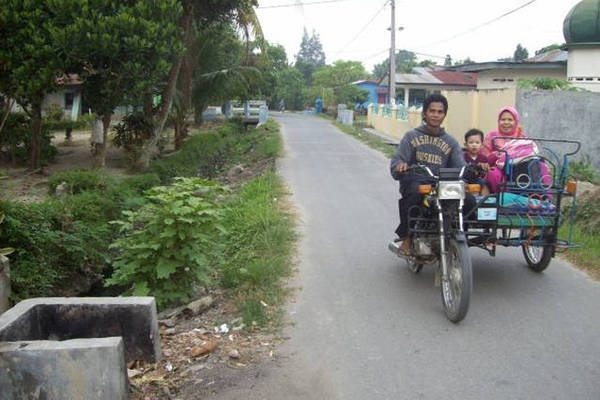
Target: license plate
{"x": 486, "y": 214}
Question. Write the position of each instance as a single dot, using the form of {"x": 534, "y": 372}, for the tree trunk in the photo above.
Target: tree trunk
{"x": 36, "y": 138}
{"x": 99, "y": 142}
{"x": 169, "y": 90}
{"x": 6, "y": 112}
{"x": 187, "y": 71}
{"x": 181, "y": 131}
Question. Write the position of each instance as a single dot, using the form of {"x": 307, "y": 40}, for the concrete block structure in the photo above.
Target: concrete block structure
{"x": 75, "y": 348}
{"x": 91, "y": 369}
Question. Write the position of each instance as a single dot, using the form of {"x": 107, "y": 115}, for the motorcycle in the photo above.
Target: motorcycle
{"x": 438, "y": 232}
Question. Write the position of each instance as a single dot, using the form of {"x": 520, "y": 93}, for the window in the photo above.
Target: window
{"x": 69, "y": 100}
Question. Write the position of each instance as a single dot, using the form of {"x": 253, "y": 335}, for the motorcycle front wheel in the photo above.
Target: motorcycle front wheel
{"x": 458, "y": 285}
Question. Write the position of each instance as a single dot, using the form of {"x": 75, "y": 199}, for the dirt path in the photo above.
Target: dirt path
{"x": 19, "y": 184}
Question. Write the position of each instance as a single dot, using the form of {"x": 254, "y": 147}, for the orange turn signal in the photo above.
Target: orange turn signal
{"x": 473, "y": 188}
{"x": 571, "y": 187}
{"x": 424, "y": 189}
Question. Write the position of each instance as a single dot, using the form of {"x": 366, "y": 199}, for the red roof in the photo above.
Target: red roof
{"x": 456, "y": 78}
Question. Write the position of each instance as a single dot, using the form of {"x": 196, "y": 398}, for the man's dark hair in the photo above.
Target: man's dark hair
{"x": 473, "y": 132}
{"x": 435, "y": 98}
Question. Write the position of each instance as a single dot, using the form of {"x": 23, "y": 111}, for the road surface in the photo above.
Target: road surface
{"x": 364, "y": 327}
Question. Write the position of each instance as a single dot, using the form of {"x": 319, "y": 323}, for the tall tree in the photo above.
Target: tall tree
{"x": 200, "y": 12}
{"x": 463, "y": 62}
{"x": 311, "y": 55}
{"x": 405, "y": 62}
{"x": 340, "y": 73}
{"x": 339, "y": 78}
{"x": 448, "y": 61}
{"x": 290, "y": 83}
{"x": 120, "y": 48}
{"x": 521, "y": 53}
{"x": 31, "y": 63}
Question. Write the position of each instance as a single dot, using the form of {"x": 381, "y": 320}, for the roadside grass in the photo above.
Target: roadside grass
{"x": 258, "y": 254}
{"x": 259, "y": 243}
{"x": 364, "y": 136}
{"x": 587, "y": 255}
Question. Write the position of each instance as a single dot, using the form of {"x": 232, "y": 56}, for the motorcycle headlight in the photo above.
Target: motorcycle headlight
{"x": 451, "y": 190}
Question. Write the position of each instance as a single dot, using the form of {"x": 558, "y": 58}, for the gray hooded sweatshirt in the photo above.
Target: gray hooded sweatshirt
{"x": 418, "y": 146}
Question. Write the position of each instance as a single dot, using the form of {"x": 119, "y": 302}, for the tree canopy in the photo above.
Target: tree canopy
{"x": 311, "y": 55}
{"x": 31, "y": 59}
{"x": 520, "y": 53}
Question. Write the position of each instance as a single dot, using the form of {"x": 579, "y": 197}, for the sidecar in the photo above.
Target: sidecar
{"x": 535, "y": 199}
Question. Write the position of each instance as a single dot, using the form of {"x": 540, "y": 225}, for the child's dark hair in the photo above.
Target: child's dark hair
{"x": 435, "y": 98}
{"x": 473, "y": 132}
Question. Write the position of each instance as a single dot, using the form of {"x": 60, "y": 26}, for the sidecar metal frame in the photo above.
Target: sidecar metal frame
{"x": 530, "y": 206}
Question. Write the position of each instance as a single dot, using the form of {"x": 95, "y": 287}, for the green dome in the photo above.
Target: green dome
{"x": 582, "y": 24}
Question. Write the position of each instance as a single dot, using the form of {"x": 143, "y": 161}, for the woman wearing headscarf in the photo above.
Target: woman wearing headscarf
{"x": 503, "y": 145}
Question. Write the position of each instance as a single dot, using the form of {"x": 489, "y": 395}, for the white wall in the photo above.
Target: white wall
{"x": 583, "y": 68}
{"x": 507, "y": 78}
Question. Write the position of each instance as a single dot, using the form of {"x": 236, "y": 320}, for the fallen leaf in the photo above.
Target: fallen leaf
{"x": 206, "y": 348}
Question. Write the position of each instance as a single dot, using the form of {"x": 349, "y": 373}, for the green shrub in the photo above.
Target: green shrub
{"x": 90, "y": 206}
{"x": 54, "y": 112}
{"x": 66, "y": 124}
{"x": 16, "y": 138}
{"x": 545, "y": 84}
{"x": 131, "y": 134}
{"x": 170, "y": 242}
{"x": 202, "y": 155}
{"x": 141, "y": 183}
{"x": 51, "y": 249}
{"x": 79, "y": 180}
{"x": 584, "y": 170}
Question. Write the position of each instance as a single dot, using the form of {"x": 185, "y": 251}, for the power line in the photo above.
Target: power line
{"x": 362, "y": 29}
{"x": 376, "y": 54}
{"x": 303, "y": 4}
{"x": 481, "y": 25}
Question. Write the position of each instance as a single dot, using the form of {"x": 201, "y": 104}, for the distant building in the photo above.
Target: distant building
{"x": 577, "y": 62}
{"x": 505, "y": 74}
{"x": 581, "y": 29}
{"x": 412, "y": 88}
{"x": 376, "y": 95}
{"x": 68, "y": 96}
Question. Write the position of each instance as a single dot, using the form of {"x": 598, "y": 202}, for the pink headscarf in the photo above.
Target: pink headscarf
{"x": 515, "y": 115}
{"x": 487, "y": 149}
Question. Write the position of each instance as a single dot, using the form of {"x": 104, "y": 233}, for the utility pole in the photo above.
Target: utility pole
{"x": 393, "y": 56}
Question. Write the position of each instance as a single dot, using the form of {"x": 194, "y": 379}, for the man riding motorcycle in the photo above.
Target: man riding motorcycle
{"x": 428, "y": 145}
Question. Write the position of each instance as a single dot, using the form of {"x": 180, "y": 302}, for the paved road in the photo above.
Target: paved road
{"x": 366, "y": 328}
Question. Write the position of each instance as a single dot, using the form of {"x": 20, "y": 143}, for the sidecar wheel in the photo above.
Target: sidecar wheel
{"x": 538, "y": 257}
{"x": 457, "y": 288}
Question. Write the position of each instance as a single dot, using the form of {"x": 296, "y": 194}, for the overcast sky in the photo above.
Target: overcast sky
{"x": 357, "y": 29}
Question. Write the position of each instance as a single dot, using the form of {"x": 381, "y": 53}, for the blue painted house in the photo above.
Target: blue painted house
{"x": 377, "y": 93}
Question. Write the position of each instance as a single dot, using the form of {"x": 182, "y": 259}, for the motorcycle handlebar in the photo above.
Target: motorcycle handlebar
{"x": 420, "y": 167}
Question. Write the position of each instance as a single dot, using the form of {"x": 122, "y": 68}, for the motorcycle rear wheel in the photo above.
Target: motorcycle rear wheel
{"x": 537, "y": 257}
{"x": 457, "y": 288}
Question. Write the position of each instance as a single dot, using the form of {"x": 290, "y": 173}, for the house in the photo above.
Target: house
{"x": 577, "y": 62}
{"x": 412, "y": 88}
{"x": 68, "y": 96}
{"x": 376, "y": 94}
{"x": 505, "y": 74}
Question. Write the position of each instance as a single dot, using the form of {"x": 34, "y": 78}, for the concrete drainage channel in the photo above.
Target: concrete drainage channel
{"x": 75, "y": 348}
